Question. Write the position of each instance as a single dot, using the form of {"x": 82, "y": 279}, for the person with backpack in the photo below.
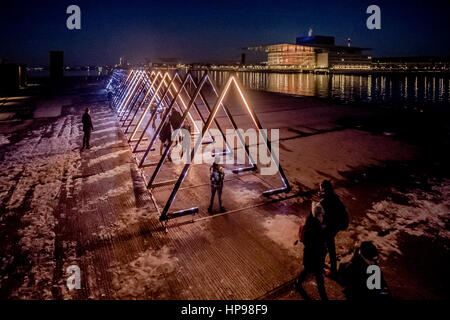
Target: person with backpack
{"x": 216, "y": 177}
{"x": 335, "y": 219}
{"x": 312, "y": 236}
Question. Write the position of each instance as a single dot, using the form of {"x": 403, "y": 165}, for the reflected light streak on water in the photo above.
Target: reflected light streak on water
{"x": 395, "y": 90}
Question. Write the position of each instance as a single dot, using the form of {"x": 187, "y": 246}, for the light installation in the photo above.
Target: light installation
{"x": 158, "y": 87}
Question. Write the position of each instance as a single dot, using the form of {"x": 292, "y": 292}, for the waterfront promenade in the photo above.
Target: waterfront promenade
{"x": 60, "y": 207}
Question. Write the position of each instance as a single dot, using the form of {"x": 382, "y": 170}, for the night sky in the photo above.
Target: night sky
{"x": 211, "y": 31}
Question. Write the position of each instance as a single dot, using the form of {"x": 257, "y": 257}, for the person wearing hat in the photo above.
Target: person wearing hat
{"x": 353, "y": 275}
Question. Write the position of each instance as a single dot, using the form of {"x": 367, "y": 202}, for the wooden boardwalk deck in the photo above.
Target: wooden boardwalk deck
{"x": 61, "y": 206}
{"x": 108, "y": 225}
{"x": 125, "y": 253}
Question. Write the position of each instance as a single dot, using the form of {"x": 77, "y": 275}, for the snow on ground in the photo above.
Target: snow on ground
{"x": 34, "y": 168}
{"x": 51, "y": 108}
{"x": 283, "y": 230}
{"x": 109, "y": 173}
{"x": 426, "y": 214}
{"x": 106, "y": 130}
{"x": 144, "y": 277}
{"x": 125, "y": 221}
{"x": 109, "y": 156}
{"x": 103, "y": 137}
{"x": 3, "y": 139}
{"x": 423, "y": 214}
{"x": 106, "y": 145}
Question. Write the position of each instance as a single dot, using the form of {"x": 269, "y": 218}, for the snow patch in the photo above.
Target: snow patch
{"x": 3, "y": 139}
{"x": 125, "y": 221}
{"x": 107, "y": 157}
{"x": 283, "y": 230}
{"x": 426, "y": 214}
{"x": 109, "y": 173}
{"x": 144, "y": 277}
{"x": 35, "y": 170}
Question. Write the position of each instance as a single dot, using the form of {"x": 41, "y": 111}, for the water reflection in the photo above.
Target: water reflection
{"x": 404, "y": 90}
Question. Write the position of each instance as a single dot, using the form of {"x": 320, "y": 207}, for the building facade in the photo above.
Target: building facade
{"x": 281, "y": 55}
{"x": 316, "y": 53}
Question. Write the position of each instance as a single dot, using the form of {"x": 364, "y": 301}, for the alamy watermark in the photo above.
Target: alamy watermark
{"x": 74, "y": 20}
{"x": 231, "y": 151}
{"x": 74, "y": 279}
{"x": 374, "y": 280}
{"x": 374, "y": 20}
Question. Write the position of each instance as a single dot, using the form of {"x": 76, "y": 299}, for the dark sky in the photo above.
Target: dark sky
{"x": 212, "y": 31}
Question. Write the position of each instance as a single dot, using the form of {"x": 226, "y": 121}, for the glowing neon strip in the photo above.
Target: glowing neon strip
{"x": 150, "y": 86}
{"x": 125, "y": 86}
{"x": 158, "y": 130}
{"x": 241, "y": 139}
{"x": 165, "y": 215}
{"x": 139, "y": 90}
{"x": 152, "y": 116}
{"x": 133, "y": 92}
{"x": 153, "y": 96}
{"x": 143, "y": 102}
{"x": 146, "y": 109}
{"x": 183, "y": 174}
{"x": 287, "y": 187}
{"x": 182, "y": 101}
{"x": 130, "y": 92}
{"x": 126, "y": 105}
{"x": 126, "y": 91}
{"x": 174, "y": 98}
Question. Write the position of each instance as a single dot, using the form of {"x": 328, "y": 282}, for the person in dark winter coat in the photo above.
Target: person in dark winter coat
{"x": 165, "y": 135}
{"x": 217, "y": 175}
{"x": 335, "y": 220}
{"x": 154, "y": 110}
{"x": 312, "y": 236}
{"x": 353, "y": 275}
{"x": 175, "y": 121}
{"x": 87, "y": 128}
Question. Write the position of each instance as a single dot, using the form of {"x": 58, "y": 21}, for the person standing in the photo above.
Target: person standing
{"x": 217, "y": 175}
{"x": 335, "y": 219}
{"x": 175, "y": 119}
{"x": 87, "y": 128}
{"x": 312, "y": 236}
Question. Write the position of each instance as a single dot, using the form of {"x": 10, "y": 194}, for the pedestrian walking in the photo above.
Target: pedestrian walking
{"x": 165, "y": 136}
{"x": 175, "y": 119}
{"x": 312, "y": 236}
{"x": 217, "y": 175}
{"x": 185, "y": 146}
{"x": 154, "y": 113}
{"x": 335, "y": 219}
{"x": 87, "y": 128}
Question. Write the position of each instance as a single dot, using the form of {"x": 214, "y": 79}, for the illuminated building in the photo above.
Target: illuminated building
{"x": 291, "y": 55}
{"x": 315, "y": 53}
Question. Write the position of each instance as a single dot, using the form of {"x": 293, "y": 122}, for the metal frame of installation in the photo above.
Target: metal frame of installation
{"x": 141, "y": 89}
